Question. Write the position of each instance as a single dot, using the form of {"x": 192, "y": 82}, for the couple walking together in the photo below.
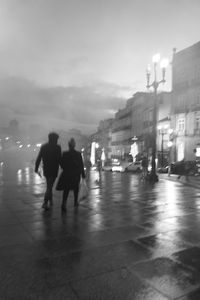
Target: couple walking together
{"x": 71, "y": 163}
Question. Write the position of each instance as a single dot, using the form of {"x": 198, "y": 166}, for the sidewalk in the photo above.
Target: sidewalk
{"x": 129, "y": 240}
{"x": 193, "y": 181}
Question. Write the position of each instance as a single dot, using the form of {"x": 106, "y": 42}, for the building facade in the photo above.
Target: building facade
{"x": 104, "y": 137}
{"x": 185, "y": 114}
{"x": 129, "y": 135}
{"x": 121, "y": 133}
{"x": 99, "y": 145}
{"x": 142, "y": 124}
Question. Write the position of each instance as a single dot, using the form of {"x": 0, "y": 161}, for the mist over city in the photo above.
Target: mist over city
{"x": 60, "y": 57}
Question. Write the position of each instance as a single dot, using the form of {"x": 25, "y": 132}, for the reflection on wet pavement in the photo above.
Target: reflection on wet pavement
{"x": 128, "y": 240}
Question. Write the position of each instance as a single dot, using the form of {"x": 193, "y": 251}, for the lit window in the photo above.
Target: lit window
{"x": 181, "y": 125}
{"x": 198, "y": 152}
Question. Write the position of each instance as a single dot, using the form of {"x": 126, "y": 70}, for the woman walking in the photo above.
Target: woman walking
{"x": 73, "y": 169}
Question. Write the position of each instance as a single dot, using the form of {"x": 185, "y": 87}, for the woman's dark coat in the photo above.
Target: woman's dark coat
{"x": 73, "y": 169}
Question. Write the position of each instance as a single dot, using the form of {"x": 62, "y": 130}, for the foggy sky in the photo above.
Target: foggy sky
{"x": 73, "y": 63}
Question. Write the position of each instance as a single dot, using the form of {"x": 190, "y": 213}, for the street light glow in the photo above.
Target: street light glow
{"x": 164, "y": 63}
{"x": 156, "y": 58}
{"x": 169, "y": 144}
{"x": 148, "y": 69}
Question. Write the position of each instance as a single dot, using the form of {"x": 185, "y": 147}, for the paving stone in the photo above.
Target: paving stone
{"x": 47, "y": 293}
{"x": 13, "y": 235}
{"x": 167, "y": 276}
{"x": 49, "y": 272}
{"x": 195, "y": 295}
{"x": 119, "y": 284}
{"x": 189, "y": 257}
{"x": 105, "y": 237}
{"x": 161, "y": 245}
{"x": 96, "y": 260}
{"x": 189, "y": 235}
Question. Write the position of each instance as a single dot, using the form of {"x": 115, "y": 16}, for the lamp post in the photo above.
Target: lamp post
{"x": 162, "y": 131}
{"x": 155, "y": 84}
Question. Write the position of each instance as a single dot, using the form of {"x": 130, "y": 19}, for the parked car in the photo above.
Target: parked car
{"x": 184, "y": 168}
{"x": 198, "y": 167}
{"x": 121, "y": 167}
{"x": 134, "y": 167}
{"x": 107, "y": 167}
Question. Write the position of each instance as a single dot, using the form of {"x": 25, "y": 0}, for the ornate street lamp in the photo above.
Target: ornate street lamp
{"x": 155, "y": 84}
{"x": 162, "y": 131}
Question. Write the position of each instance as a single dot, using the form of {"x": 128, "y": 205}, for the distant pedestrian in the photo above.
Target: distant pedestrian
{"x": 50, "y": 155}
{"x": 88, "y": 167}
{"x": 144, "y": 167}
{"x": 73, "y": 169}
{"x": 99, "y": 169}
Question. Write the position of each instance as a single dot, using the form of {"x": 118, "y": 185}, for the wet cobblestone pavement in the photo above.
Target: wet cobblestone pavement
{"x": 128, "y": 240}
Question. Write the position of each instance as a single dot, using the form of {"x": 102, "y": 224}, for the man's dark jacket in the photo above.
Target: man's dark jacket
{"x": 50, "y": 154}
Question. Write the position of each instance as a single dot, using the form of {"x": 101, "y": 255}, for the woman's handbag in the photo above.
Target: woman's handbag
{"x": 83, "y": 190}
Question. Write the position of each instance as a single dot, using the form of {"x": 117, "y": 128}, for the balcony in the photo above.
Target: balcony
{"x": 181, "y": 132}
{"x": 122, "y": 127}
{"x": 123, "y": 114}
{"x": 195, "y": 107}
{"x": 147, "y": 124}
{"x": 121, "y": 142}
{"x": 180, "y": 109}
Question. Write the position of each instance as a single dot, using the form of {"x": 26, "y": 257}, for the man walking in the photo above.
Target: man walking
{"x": 50, "y": 155}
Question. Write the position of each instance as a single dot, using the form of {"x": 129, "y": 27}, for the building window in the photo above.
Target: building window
{"x": 151, "y": 115}
{"x": 197, "y": 123}
{"x": 181, "y": 125}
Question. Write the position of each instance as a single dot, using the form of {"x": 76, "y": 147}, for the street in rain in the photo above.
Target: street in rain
{"x": 99, "y": 150}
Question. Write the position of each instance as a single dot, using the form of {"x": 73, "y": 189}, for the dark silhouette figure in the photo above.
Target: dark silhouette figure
{"x": 73, "y": 169}
{"x": 99, "y": 168}
{"x": 144, "y": 167}
{"x": 88, "y": 167}
{"x": 50, "y": 155}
